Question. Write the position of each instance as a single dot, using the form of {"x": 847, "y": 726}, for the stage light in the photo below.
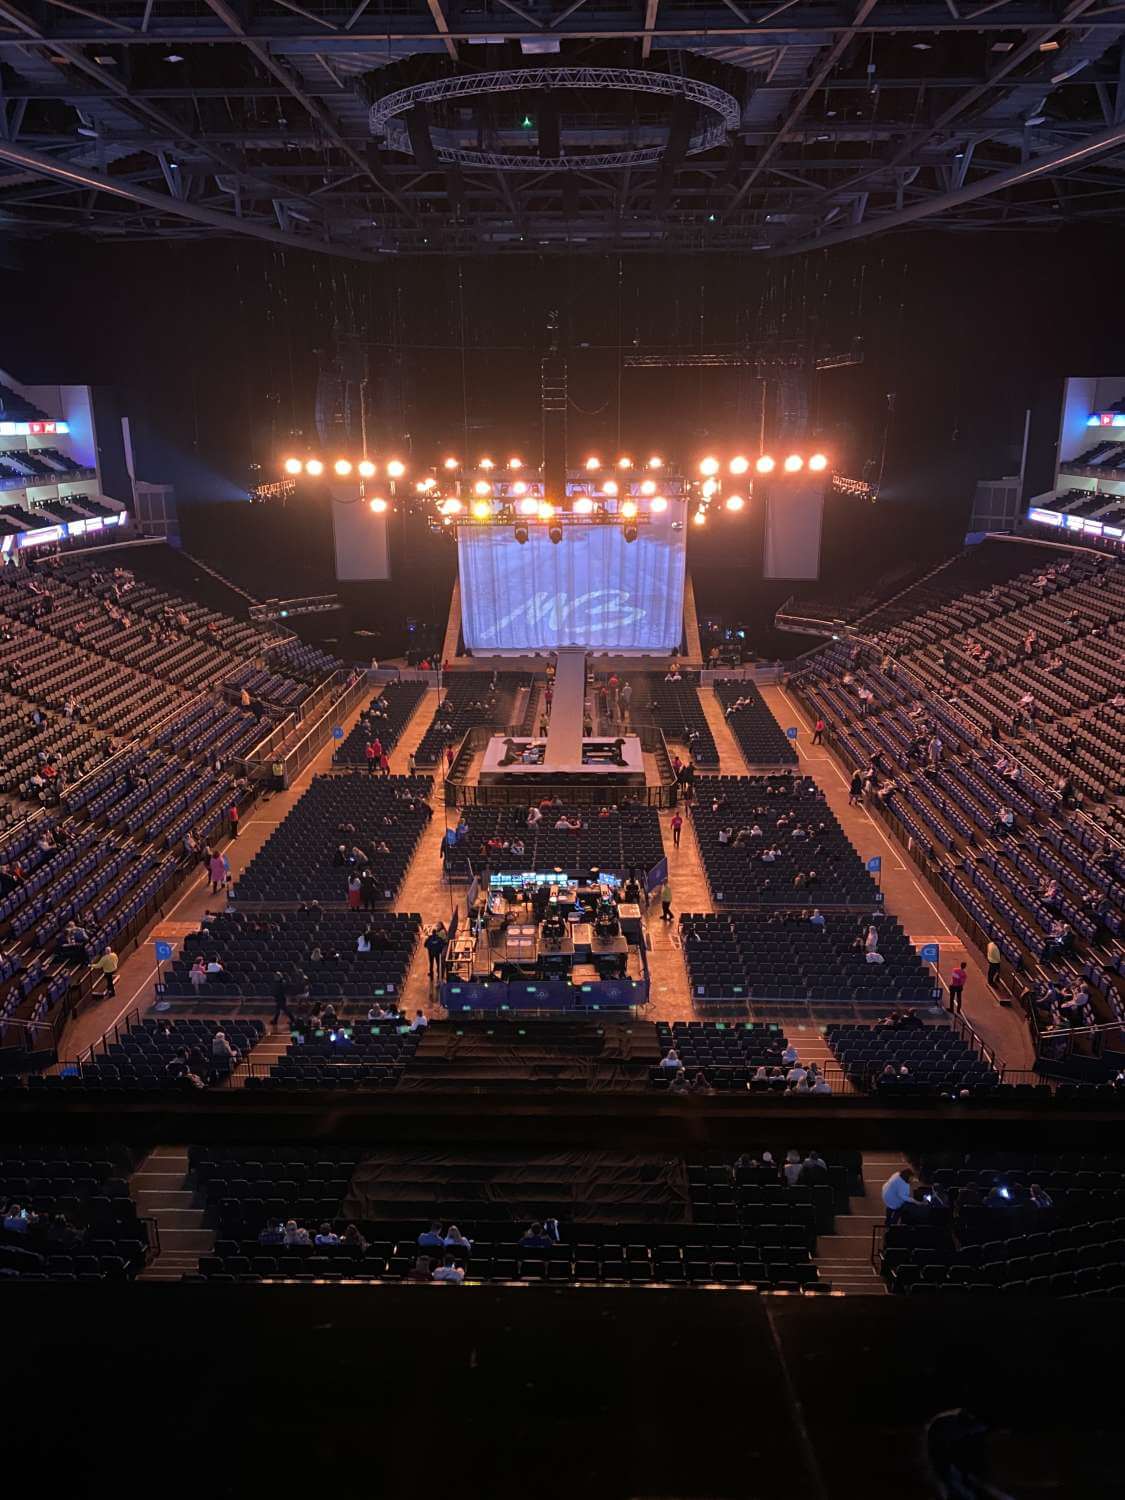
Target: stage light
{"x": 519, "y": 488}
{"x": 555, "y": 533}
{"x": 451, "y": 463}
{"x": 648, "y": 487}
{"x": 378, "y": 505}
{"x": 482, "y": 510}
{"x": 521, "y": 534}
{"x": 486, "y": 463}
{"x": 366, "y": 469}
{"x": 529, "y": 507}
{"x": 592, "y": 464}
{"x": 396, "y": 468}
{"x": 734, "y": 502}
{"x": 451, "y": 507}
{"x": 482, "y": 487}
{"x": 314, "y": 467}
{"x": 546, "y": 510}
{"x": 659, "y": 503}
{"x": 739, "y": 465}
{"x": 765, "y": 464}
{"x": 624, "y": 463}
{"x": 793, "y": 463}
{"x": 610, "y": 487}
{"x": 515, "y": 463}
{"x": 709, "y": 466}
{"x": 818, "y": 462}
{"x": 708, "y": 488}
{"x": 628, "y": 508}
{"x": 699, "y": 517}
{"x": 630, "y": 533}
{"x": 293, "y": 466}
{"x": 656, "y": 463}
{"x": 583, "y": 506}
{"x": 343, "y": 467}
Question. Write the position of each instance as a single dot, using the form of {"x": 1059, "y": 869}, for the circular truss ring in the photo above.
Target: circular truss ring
{"x": 385, "y": 121}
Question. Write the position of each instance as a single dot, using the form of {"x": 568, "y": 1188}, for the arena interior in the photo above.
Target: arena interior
{"x": 562, "y": 668}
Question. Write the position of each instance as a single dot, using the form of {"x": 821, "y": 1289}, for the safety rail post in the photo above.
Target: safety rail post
{"x": 878, "y": 1240}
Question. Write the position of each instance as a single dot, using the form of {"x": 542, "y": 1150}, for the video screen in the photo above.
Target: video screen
{"x": 592, "y": 589}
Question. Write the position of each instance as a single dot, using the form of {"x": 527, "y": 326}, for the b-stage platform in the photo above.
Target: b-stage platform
{"x": 618, "y": 762}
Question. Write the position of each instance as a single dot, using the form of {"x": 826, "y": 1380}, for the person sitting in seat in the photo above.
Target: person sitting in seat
{"x": 671, "y": 1061}
{"x": 533, "y": 1238}
{"x": 448, "y": 1271}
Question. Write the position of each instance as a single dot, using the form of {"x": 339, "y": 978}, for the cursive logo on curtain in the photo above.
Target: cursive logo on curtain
{"x": 600, "y": 610}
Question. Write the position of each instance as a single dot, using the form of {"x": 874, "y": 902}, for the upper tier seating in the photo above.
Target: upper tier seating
{"x": 759, "y": 736}
{"x": 83, "y": 1225}
{"x": 736, "y": 872}
{"x": 17, "y": 408}
{"x": 300, "y": 861}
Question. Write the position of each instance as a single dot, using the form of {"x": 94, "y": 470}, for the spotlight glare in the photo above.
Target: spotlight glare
{"x": 765, "y": 464}
{"x": 366, "y": 469}
{"x": 529, "y": 507}
{"x": 734, "y": 502}
{"x": 482, "y": 487}
{"x": 610, "y": 487}
{"x": 699, "y": 517}
{"x": 451, "y": 507}
{"x": 396, "y": 468}
{"x": 648, "y": 487}
{"x": 708, "y": 488}
{"x": 656, "y": 463}
{"x": 546, "y": 510}
{"x": 519, "y": 488}
{"x": 583, "y": 506}
{"x": 314, "y": 467}
{"x": 378, "y": 505}
{"x": 659, "y": 503}
{"x": 624, "y": 463}
{"x": 793, "y": 463}
{"x": 482, "y": 510}
{"x": 515, "y": 463}
{"x": 709, "y": 466}
{"x": 451, "y": 463}
{"x": 593, "y": 463}
{"x": 342, "y": 467}
{"x": 818, "y": 462}
{"x": 486, "y": 463}
{"x": 739, "y": 465}
{"x": 293, "y": 466}
{"x": 628, "y": 508}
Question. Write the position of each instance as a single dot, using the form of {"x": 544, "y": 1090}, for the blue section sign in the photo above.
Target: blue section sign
{"x": 337, "y": 732}
{"x": 929, "y": 953}
{"x": 791, "y": 734}
{"x": 875, "y": 864}
{"x": 163, "y": 951}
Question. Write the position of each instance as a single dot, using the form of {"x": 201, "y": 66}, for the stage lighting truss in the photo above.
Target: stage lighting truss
{"x": 386, "y": 123}
{"x": 726, "y": 484}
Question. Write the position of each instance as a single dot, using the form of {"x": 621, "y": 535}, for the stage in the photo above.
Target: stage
{"x": 618, "y": 762}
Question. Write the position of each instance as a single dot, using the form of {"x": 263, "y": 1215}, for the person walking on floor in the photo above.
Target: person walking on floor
{"x": 216, "y": 871}
{"x": 280, "y": 1003}
{"x": 855, "y": 789}
{"x": 994, "y": 956}
{"x": 233, "y": 816}
{"x": 677, "y": 826}
{"x": 818, "y": 732}
{"x": 435, "y": 949}
{"x": 107, "y": 964}
{"x": 666, "y": 902}
{"x": 957, "y": 979}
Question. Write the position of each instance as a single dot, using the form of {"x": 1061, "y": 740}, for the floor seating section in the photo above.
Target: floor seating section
{"x": 733, "y": 957}
{"x": 675, "y": 709}
{"x": 1011, "y": 665}
{"x": 363, "y": 1055}
{"x": 300, "y": 861}
{"x": 936, "y": 1060}
{"x": 740, "y": 1232}
{"x": 384, "y": 719}
{"x": 102, "y": 1239}
{"x": 760, "y": 738}
{"x": 736, "y": 873}
{"x": 727, "y": 1054}
{"x": 255, "y": 947}
{"x": 139, "y": 1058}
{"x": 627, "y": 837}
{"x": 985, "y": 1242}
{"x": 471, "y": 698}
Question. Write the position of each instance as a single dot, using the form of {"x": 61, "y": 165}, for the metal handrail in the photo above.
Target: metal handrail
{"x": 115, "y": 1031}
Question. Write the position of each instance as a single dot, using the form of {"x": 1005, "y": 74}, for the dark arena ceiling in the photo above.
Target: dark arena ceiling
{"x": 383, "y": 127}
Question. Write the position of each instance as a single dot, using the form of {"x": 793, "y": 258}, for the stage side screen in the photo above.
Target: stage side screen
{"x": 361, "y": 539}
{"x": 794, "y": 513}
{"x": 592, "y": 589}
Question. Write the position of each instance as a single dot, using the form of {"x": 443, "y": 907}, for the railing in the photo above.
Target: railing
{"x": 972, "y": 1038}
{"x": 112, "y": 1034}
{"x": 152, "y": 1235}
{"x": 316, "y": 736}
{"x": 878, "y": 1240}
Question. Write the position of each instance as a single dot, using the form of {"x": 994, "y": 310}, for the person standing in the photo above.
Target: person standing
{"x": 818, "y": 732}
{"x": 281, "y": 1003}
{"x": 107, "y": 963}
{"x": 435, "y": 949}
{"x": 216, "y": 872}
{"x": 666, "y": 901}
{"x": 855, "y": 789}
{"x": 233, "y": 816}
{"x": 994, "y": 956}
{"x": 957, "y": 979}
{"x": 677, "y": 826}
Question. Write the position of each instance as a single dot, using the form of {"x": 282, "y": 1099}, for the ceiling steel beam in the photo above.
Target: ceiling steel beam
{"x": 1067, "y": 158}
{"x": 83, "y": 177}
